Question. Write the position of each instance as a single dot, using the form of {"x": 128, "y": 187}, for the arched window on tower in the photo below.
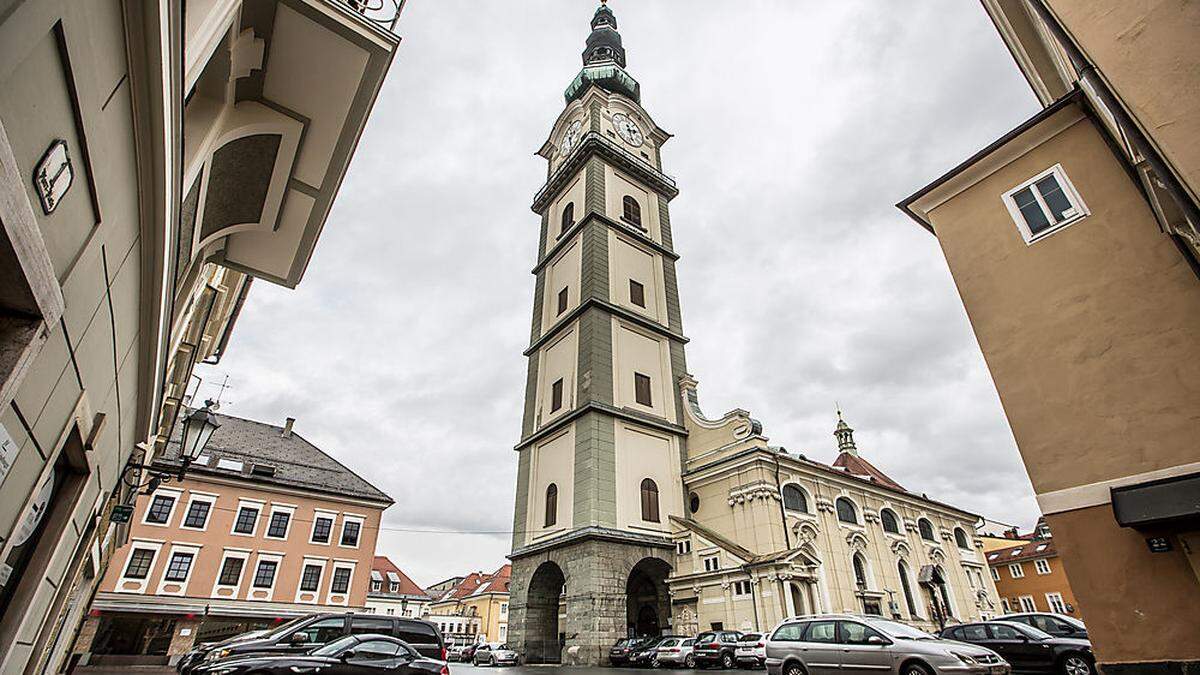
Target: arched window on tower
{"x": 860, "y": 572}
{"x": 926, "y": 529}
{"x": 551, "y": 505}
{"x": 960, "y": 538}
{"x": 568, "y": 217}
{"x": 650, "y": 501}
{"x": 846, "y": 512}
{"x": 794, "y": 499}
{"x": 908, "y": 594}
{"x": 631, "y": 211}
{"x": 888, "y": 519}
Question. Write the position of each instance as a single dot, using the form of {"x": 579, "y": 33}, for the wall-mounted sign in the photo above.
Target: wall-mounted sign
{"x": 1159, "y": 544}
{"x": 53, "y": 175}
{"x": 121, "y": 513}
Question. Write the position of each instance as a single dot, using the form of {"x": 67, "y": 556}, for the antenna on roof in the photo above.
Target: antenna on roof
{"x": 221, "y": 391}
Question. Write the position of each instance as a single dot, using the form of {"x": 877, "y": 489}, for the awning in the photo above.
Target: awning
{"x": 1160, "y": 502}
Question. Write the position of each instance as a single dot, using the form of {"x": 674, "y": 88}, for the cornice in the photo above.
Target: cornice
{"x": 632, "y": 317}
{"x": 594, "y": 532}
{"x": 594, "y": 143}
{"x": 595, "y": 406}
{"x": 629, "y": 231}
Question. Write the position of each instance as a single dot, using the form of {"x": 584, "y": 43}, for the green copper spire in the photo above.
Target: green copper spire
{"x": 604, "y": 60}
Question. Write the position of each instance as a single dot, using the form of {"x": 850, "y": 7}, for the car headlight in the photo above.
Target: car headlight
{"x": 217, "y": 654}
{"x": 969, "y": 660}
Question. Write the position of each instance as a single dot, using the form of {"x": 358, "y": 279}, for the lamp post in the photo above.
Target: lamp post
{"x": 198, "y": 428}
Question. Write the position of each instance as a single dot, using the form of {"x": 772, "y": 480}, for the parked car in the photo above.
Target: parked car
{"x": 618, "y": 654}
{"x": 675, "y": 652}
{"x": 751, "y": 650}
{"x": 494, "y": 654}
{"x": 716, "y": 648}
{"x": 455, "y": 653}
{"x": 1058, "y": 625}
{"x": 305, "y": 634}
{"x": 1028, "y": 649}
{"x": 468, "y": 652}
{"x": 644, "y": 656}
{"x": 824, "y": 644}
{"x": 196, "y": 655}
{"x": 349, "y": 655}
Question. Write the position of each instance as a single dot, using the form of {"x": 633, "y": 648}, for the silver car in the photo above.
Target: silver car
{"x": 848, "y": 644}
{"x": 495, "y": 654}
{"x": 675, "y": 652}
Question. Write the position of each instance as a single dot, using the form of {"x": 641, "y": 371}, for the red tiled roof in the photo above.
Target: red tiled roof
{"x": 383, "y": 565}
{"x": 1035, "y": 548}
{"x": 478, "y": 583}
{"x": 857, "y": 466}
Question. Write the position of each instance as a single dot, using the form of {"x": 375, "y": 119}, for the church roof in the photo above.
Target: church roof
{"x": 604, "y": 60}
{"x": 857, "y": 466}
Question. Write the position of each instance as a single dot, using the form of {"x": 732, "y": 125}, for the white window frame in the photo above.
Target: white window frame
{"x": 166, "y": 492}
{"x": 139, "y": 544}
{"x": 1016, "y": 570}
{"x": 201, "y": 497}
{"x": 1005, "y": 606}
{"x": 312, "y": 532}
{"x": 717, "y": 558}
{"x": 1053, "y": 599}
{"x": 352, "y": 518}
{"x": 337, "y": 565}
{"x": 251, "y": 589}
{"x": 247, "y": 503}
{"x": 289, "y": 509}
{"x": 1068, "y": 189}
{"x": 742, "y": 587}
{"x": 193, "y": 549}
{"x": 1030, "y": 607}
{"x": 240, "y": 553}
{"x": 995, "y": 574}
{"x": 316, "y": 595}
{"x": 1042, "y": 566}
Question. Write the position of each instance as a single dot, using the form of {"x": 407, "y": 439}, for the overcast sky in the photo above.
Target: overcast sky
{"x": 798, "y": 124}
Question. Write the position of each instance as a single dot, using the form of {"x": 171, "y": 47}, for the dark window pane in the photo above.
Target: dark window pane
{"x": 854, "y": 633}
{"x": 551, "y": 505}
{"x": 1054, "y": 197}
{"x": 926, "y": 529}
{"x": 197, "y": 515}
{"x": 160, "y": 510}
{"x": 568, "y": 217}
{"x": 139, "y": 563}
{"x": 888, "y": 519}
{"x": 321, "y": 529}
{"x": 641, "y": 389}
{"x": 246, "y": 520}
{"x": 1035, "y": 218}
{"x": 637, "y": 293}
{"x": 360, "y": 625}
{"x": 341, "y": 580}
{"x": 794, "y": 499}
{"x": 649, "y": 501}
{"x": 231, "y": 572}
{"x": 974, "y": 633}
{"x": 178, "y": 568}
{"x": 311, "y": 578}
{"x": 279, "y": 524}
{"x": 846, "y": 511}
{"x": 350, "y": 530}
{"x": 821, "y": 631}
{"x": 264, "y": 577}
{"x": 556, "y": 395}
{"x": 562, "y": 301}
{"x": 960, "y": 538}
{"x": 631, "y": 211}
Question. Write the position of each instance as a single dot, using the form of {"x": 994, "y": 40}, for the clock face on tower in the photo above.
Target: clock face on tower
{"x": 570, "y": 138}
{"x": 627, "y": 129}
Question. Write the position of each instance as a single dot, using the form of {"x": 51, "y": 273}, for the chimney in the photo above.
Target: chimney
{"x": 287, "y": 427}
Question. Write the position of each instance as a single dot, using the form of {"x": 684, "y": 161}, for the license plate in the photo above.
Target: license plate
{"x": 998, "y": 670}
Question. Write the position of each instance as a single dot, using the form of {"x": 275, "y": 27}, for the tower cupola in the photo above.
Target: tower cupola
{"x": 845, "y": 436}
{"x": 604, "y": 60}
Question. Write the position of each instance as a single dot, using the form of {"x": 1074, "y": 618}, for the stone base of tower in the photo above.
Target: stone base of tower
{"x": 571, "y": 599}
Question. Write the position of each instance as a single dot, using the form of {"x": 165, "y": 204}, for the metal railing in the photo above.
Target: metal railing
{"x": 383, "y": 13}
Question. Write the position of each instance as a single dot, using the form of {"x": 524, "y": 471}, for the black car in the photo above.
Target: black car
{"x": 349, "y": 655}
{"x": 1054, "y": 624}
{"x": 619, "y": 654}
{"x": 1027, "y": 649}
{"x": 644, "y": 656}
{"x": 716, "y": 648}
{"x": 303, "y": 635}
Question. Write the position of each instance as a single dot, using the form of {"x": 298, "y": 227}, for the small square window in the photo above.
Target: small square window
{"x": 637, "y": 293}
{"x": 1044, "y": 204}
{"x": 641, "y": 389}
{"x": 160, "y": 509}
{"x": 321, "y": 529}
{"x": 1042, "y": 565}
{"x": 264, "y": 577}
{"x": 311, "y": 578}
{"x": 247, "y": 519}
{"x": 279, "y": 524}
{"x": 562, "y": 301}
{"x": 556, "y": 395}
{"x": 231, "y": 572}
{"x": 341, "y": 580}
{"x": 197, "y": 515}
{"x": 179, "y": 567}
{"x": 139, "y": 563}
{"x": 350, "y": 531}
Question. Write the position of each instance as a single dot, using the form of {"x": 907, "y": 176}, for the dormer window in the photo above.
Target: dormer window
{"x": 631, "y": 211}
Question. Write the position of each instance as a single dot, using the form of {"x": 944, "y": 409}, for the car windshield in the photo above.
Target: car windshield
{"x": 749, "y": 637}
{"x": 1030, "y": 631}
{"x": 898, "y": 630}
{"x": 706, "y": 637}
{"x": 336, "y": 646}
{"x": 689, "y": 642}
{"x": 622, "y": 642}
{"x": 668, "y": 643}
{"x": 282, "y": 628}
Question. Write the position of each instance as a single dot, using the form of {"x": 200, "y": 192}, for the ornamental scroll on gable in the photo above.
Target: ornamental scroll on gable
{"x": 734, "y": 431}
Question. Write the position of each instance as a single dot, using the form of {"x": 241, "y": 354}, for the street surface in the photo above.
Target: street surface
{"x": 455, "y": 669}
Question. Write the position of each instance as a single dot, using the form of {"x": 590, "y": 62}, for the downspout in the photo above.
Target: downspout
{"x": 787, "y": 538}
{"x": 753, "y": 597}
{"x": 1090, "y": 74}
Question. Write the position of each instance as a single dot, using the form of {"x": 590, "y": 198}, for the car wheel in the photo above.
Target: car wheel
{"x": 689, "y": 661}
{"x": 1076, "y": 664}
{"x": 793, "y": 669}
{"x": 916, "y": 669}
{"x": 727, "y": 661}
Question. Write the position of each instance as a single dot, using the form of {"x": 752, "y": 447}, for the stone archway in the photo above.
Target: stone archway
{"x": 543, "y": 636}
{"x": 648, "y": 603}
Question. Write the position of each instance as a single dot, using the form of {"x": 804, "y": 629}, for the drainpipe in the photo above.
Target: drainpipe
{"x": 1090, "y": 74}
{"x": 753, "y": 597}
{"x": 787, "y": 538}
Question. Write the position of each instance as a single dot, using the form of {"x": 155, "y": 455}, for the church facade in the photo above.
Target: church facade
{"x": 637, "y": 515}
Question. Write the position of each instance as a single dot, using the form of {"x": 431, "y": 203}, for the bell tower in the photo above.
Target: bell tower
{"x": 599, "y": 459}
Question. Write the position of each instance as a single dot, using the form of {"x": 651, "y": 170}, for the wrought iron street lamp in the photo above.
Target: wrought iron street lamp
{"x": 198, "y": 428}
